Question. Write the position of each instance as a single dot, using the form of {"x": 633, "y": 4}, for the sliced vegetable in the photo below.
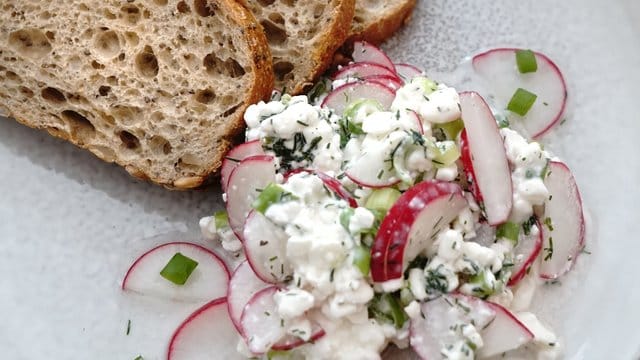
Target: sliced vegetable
{"x": 265, "y": 246}
{"x": 271, "y": 194}
{"x": 521, "y": 101}
{"x": 242, "y": 286}
{"x": 503, "y": 334}
{"x": 362, "y": 70}
{"x": 206, "y": 281}
{"x": 446, "y": 153}
{"x": 366, "y": 52}
{"x": 525, "y": 253}
{"x": 341, "y": 97}
{"x": 235, "y": 156}
{"x": 408, "y": 72}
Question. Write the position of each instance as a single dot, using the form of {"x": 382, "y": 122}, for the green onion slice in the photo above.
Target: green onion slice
{"x": 362, "y": 259}
{"x": 447, "y": 153}
{"x": 178, "y": 269}
{"x": 221, "y": 219}
{"x": 452, "y": 128}
{"x": 272, "y": 194}
{"x": 382, "y": 199}
{"x": 526, "y": 61}
{"x": 521, "y": 101}
{"x": 508, "y": 230}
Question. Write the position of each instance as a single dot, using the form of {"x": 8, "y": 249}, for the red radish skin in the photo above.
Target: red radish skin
{"x": 254, "y": 172}
{"x": 292, "y": 342}
{"x": 564, "y": 209}
{"x": 388, "y": 81}
{"x": 342, "y": 96}
{"x": 418, "y": 121}
{"x": 503, "y": 334}
{"x": 208, "y": 333}
{"x": 242, "y": 286}
{"x": 408, "y": 72}
{"x": 412, "y": 224}
{"x": 366, "y": 52}
{"x": 234, "y": 156}
{"x": 362, "y": 70}
{"x": 499, "y": 67}
{"x": 265, "y": 246}
{"x": 485, "y": 159}
{"x": 529, "y": 246}
{"x": 208, "y": 280}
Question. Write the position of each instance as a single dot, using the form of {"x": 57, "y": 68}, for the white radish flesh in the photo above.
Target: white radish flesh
{"x": 498, "y": 67}
{"x": 408, "y": 72}
{"x": 251, "y": 175}
{"x": 485, "y": 159}
{"x": 265, "y": 246}
{"x": 261, "y": 324}
{"x": 234, "y": 156}
{"x": 411, "y": 226}
{"x": 207, "y": 281}
{"x": 503, "y": 334}
{"x": 362, "y": 70}
{"x": 334, "y": 185}
{"x": 291, "y": 342}
{"x": 242, "y": 286}
{"x": 563, "y": 233}
{"x": 206, "y": 334}
{"x": 366, "y": 52}
{"x": 525, "y": 253}
{"x": 388, "y": 81}
{"x": 441, "y": 324}
{"x": 340, "y": 98}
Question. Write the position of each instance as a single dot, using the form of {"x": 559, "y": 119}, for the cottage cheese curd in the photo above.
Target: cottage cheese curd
{"x": 401, "y": 145}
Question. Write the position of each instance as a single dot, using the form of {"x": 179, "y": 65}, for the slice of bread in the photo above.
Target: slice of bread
{"x": 376, "y": 20}
{"x": 303, "y": 35}
{"x": 157, "y": 86}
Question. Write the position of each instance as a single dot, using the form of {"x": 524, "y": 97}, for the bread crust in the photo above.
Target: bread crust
{"x": 378, "y": 31}
{"x": 259, "y": 89}
{"x": 331, "y": 41}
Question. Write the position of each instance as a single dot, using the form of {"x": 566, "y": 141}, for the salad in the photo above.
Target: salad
{"x": 383, "y": 209}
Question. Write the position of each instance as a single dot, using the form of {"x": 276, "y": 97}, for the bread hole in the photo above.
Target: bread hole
{"x": 108, "y": 14}
{"x": 215, "y": 66}
{"x": 282, "y": 68}
{"x": 112, "y": 80}
{"x": 53, "y": 95}
{"x": 147, "y": 63}
{"x": 87, "y": 34}
{"x": 83, "y": 7}
{"x": 12, "y": 76}
{"x": 288, "y": 3}
{"x": 318, "y": 10}
{"x": 266, "y": 2}
{"x": 81, "y": 128}
{"x": 104, "y": 90}
{"x": 207, "y": 39}
{"x": 77, "y": 99}
{"x": 126, "y": 114}
{"x": 146, "y": 14}
{"x": 106, "y": 44}
{"x": 161, "y": 2}
{"x": 130, "y": 13}
{"x": 50, "y": 35}
{"x": 275, "y": 34}
{"x": 26, "y": 91}
{"x": 158, "y": 144}
{"x": 96, "y": 65}
{"x": 183, "y": 7}
{"x": 205, "y": 96}
{"x": 205, "y": 8}
{"x": 45, "y": 15}
{"x": 121, "y": 57}
{"x": 358, "y": 19}
{"x": 276, "y": 18}
{"x": 227, "y": 100}
{"x": 157, "y": 117}
{"x": 129, "y": 140}
{"x": 32, "y": 43}
{"x": 132, "y": 38}
{"x": 181, "y": 39}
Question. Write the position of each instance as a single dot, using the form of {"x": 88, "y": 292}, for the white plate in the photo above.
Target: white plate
{"x": 70, "y": 224}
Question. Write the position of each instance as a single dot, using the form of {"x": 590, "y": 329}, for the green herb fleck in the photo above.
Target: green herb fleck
{"x": 178, "y": 269}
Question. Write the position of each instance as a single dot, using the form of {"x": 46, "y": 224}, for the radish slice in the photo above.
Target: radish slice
{"x": 234, "y": 156}
{"x": 484, "y": 158}
{"x": 412, "y": 224}
{"x": 262, "y": 327}
{"x": 208, "y": 333}
{"x": 342, "y": 96}
{"x": 334, "y": 185}
{"x": 207, "y": 281}
{"x": 525, "y": 253}
{"x": 243, "y": 285}
{"x": 441, "y": 324}
{"x": 265, "y": 246}
{"x": 563, "y": 208}
{"x": 290, "y": 342}
{"x": 362, "y": 70}
{"x": 388, "y": 81}
{"x": 366, "y": 52}
{"x": 498, "y": 67}
{"x": 503, "y": 334}
{"x": 252, "y": 174}
{"x": 417, "y": 120}
{"x": 408, "y": 72}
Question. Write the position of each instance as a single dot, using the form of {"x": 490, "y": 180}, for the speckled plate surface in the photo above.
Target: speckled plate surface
{"x": 70, "y": 224}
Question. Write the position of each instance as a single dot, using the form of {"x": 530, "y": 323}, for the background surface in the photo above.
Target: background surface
{"x": 70, "y": 224}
